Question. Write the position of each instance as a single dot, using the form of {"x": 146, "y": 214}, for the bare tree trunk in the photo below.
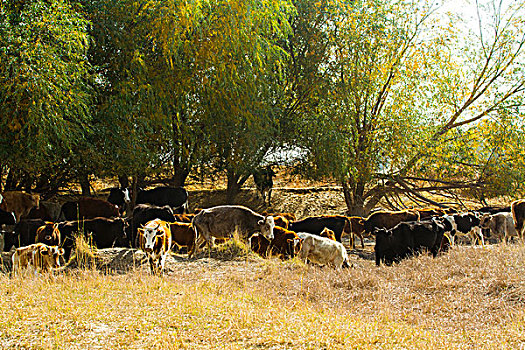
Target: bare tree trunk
{"x": 354, "y": 199}
{"x": 232, "y": 186}
{"x": 85, "y": 185}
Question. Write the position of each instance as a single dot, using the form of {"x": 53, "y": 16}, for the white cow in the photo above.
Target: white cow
{"x": 322, "y": 251}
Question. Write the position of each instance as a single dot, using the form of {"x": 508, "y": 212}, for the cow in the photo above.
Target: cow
{"x": 48, "y": 211}
{"x": 183, "y": 217}
{"x": 285, "y": 244}
{"x": 327, "y": 233}
{"x": 518, "y": 214}
{"x": 155, "y": 241}
{"x": 48, "y": 234}
{"x": 316, "y": 224}
{"x": 388, "y": 219}
{"x": 224, "y": 220}
{"x": 281, "y": 221}
{"x": 175, "y": 197}
{"x": 104, "y": 233}
{"x": 263, "y": 178}
{"x": 38, "y": 256}
{"x": 119, "y": 197}
{"x": 23, "y": 235}
{"x": 408, "y": 238}
{"x": 7, "y": 217}
{"x": 19, "y": 202}
{"x": 322, "y": 251}
{"x": 287, "y": 216}
{"x": 427, "y": 213}
{"x": 357, "y": 228}
{"x": 500, "y": 225}
{"x": 182, "y": 235}
{"x": 493, "y": 209}
{"x": 144, "y": 213}
{"x": 89, "y": 208}
{"x": 466, "y": 225}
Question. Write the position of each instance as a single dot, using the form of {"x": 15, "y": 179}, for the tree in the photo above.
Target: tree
{"x": 398, "y": 89}
{"x": 45, "y": 93}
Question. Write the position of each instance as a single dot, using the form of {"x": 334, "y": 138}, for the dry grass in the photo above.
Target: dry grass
{"x": 470, "y": 298}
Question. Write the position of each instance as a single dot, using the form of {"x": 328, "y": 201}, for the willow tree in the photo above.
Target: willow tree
{"x": 44, "y": 85}
{"x": 399, "y": 87}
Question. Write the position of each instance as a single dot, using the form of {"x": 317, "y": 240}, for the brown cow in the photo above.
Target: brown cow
{"x": 287, "y": 216}
{"x": 19, "y": 202}
{"x": 426, "y": 213}
{"x": 328, "y": 234}
{"x": 357, "y": 228}
{"x": 389, "y": 219}
{"x": 281, "y": 221}
{"x": 183, "y": 217}
{"x": 39, "y": 256}
{"x": 89, "y": 208}
{"x": 48, "y": 234}
{"x": 183, "y": 235}
{"x": 285, "y": 244}
{"x": 518, "y": 214}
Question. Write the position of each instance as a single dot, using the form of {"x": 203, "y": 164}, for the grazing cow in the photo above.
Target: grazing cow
{"x": 120, "y": 197}
{"x": 263, "y": 178}
{"x": 322, "y": 251}
{"x": 388, "y": 219}
{"x": 89, "y": 208}
{"x": 224, "y": 220}
{"x": 144, "y": 213}
{"x": 183, "y": 235}
{"x": 38, "y": 256}
{"x": 285, "y": 244}
{"x": 155, "y": 241}
{"x": 175, "y": 197}
{"x": 104, "y": 233}
{"x": 48, "y": 211}
{"x": 316, "y": 224}
{"x": 19, "y": 202}
{"x": 24, "y": 234}
{"x": 518, "y": 214}
{"x": 357, "y": 228}
{"x": 500, "y": 225}
{"x": 7, "y": 217}
{"x": 407, "y": 239}
{"x": 466, "y": 224}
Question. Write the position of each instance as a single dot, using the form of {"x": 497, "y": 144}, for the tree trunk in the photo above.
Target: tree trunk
{"x": 354, "y": 199}
{"x": 85, "y": 185}
{"x": 180, "y": 175}
{"x": 10, "y": 182}
{"x": 233, "y": 187}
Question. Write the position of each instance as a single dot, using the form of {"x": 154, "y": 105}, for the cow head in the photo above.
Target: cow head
{"x": 266, "y": 227}
{"x": 48, "y": 234}
{"x": 485, "y": 220}
{"x": 149, "y": 235}
{"x": 50, "y": 255}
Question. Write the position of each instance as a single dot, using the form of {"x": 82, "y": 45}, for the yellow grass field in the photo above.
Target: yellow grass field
{"x": 469, "y": 298}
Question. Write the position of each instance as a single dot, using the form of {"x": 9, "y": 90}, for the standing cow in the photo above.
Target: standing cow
{"x": 155, "y": 241}
{"x": 500, "y": 225}
{"x": 518, "y": 214}
{"x": 322, "y": 251}
{"x": 89, "y": 208}
{"x": 175, "y": 197}
{"x": 263, "y": 178}
{"x": 19, "y": 202}
{"x": 316, "y": 224}
{"x": 222, "y": 221}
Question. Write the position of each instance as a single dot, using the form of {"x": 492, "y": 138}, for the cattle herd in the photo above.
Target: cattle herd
{"x": 41, "y": 234}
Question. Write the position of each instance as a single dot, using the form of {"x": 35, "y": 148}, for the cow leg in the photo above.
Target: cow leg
{"x": 269, "y": 197}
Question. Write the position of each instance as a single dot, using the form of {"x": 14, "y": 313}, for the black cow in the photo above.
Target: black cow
{"x": 143, "y": 213}
{"x": 103, "y": 232}
{"x": 316, "y": 224}
{"x": 7, "y": 217}
{"x": 407, "y": 239}
{"x": 120, "y": 197}
{"x": 23, "y": 234}
{"x": 175, "y": 197}
{"x": 263, "y": 178}
{"x": 493, "y": 210}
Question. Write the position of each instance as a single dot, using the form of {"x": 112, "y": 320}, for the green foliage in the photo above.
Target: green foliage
{"x": 45, "y": 99}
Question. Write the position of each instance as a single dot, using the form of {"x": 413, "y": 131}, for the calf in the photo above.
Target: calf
{"x": 316, "y": 224}
{"x": 518, "y": 214}
{"x": 183, "y": 235}
{"x": 407, "y": 239}
{"x": 466, "y": 224}
{"x": 322, "y": 251}
{"x": 222, "y": 221}
{"x": 357, "y": 228}
{"x": 500, "y": 225}
{"x": 38, "y": 256}
{"x": 285, "y": 244}
{"x": 155, "y": 241}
